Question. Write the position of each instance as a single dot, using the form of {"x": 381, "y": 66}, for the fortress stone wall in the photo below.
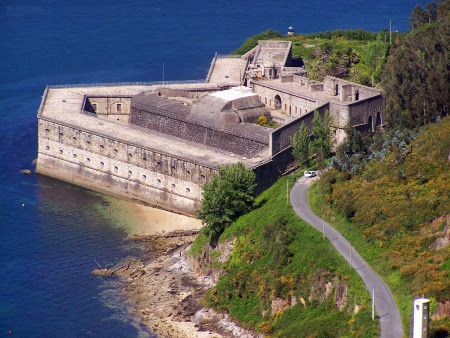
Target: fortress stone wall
{"x": 120, "y": 168}
{"x": 111, "y": 157}
{"x": 197, "y": 131}
{"x": 144, "y": 142}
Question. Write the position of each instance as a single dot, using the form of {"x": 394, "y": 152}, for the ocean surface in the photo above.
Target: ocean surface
{"x": 51, "y": 231}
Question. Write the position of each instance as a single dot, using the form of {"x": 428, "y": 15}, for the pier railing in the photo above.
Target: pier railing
{"x": 116, "y": 84}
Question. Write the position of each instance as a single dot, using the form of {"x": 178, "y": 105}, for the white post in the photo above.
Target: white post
{"x": 323, "y": 229}
{"x": 373, "y": 304}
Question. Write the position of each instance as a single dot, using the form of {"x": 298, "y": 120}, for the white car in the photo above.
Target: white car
{"x": 307, "y": 173}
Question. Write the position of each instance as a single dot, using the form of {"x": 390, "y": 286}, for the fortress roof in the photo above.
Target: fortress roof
{"x": 64, "y": 105}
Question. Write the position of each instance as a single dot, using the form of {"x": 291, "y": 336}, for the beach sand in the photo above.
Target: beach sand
{"x": 139, "y": 219}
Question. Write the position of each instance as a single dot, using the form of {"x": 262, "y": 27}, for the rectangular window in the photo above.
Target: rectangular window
{"x": 119, "y": 107}
{"x": 94, "y": 106}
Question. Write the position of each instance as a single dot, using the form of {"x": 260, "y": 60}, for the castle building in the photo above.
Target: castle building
{"x": 159, "y": 143}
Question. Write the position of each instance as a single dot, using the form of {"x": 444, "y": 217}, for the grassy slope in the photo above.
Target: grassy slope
{"x": 283, "y": 261}
{"x": 392, "y": 224}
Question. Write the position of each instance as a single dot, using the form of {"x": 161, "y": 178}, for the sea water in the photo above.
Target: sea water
{"x": 51, "y": 231}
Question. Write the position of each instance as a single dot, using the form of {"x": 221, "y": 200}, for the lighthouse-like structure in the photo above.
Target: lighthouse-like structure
{"x": 291, "y": 31}
{"x": 421, "y": 315}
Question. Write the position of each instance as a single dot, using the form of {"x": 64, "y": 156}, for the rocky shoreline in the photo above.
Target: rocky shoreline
{"x": 166, "y": 294}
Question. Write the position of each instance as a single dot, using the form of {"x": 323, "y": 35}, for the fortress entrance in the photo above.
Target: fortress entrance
{"x": 277, "y": 101}
{"x": 378, "y": 121}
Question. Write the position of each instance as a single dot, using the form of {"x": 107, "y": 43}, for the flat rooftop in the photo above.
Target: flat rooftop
{"x": 295, "y": 89}
{"x": 234, "y": 93}
{"x": 152, "y": 99}
{"x": 63, "y": 105}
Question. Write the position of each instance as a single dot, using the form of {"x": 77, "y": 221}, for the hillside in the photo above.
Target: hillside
{"x": 355, "y": 55}
{"x": 396, "y": 213}
{"x": 277, "y": 275}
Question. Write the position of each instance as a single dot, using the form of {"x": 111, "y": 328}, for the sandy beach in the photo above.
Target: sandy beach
{"x": 139, "y": 219}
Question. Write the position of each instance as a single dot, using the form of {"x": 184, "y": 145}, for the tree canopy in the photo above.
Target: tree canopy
{"x": 416, "y": 77}
{"x": 300, "y": 142}
{"x": 229, "y": 195}
{"x": 321, "y": 137}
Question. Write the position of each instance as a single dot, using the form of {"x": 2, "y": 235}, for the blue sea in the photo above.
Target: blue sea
{"x": 51, "y": 231}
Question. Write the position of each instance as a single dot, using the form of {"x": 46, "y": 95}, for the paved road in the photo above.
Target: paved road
{"x": 387, "y": 311}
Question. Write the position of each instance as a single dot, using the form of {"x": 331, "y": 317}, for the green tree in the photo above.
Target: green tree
{"x": 229, "y": 195}
{"x": 321, "y": 133}
{"x": 415, "y": 78}
{"x": 300, "y": 145}
{"x": 418, "y": 17}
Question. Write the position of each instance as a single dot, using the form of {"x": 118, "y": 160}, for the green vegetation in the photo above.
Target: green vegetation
{"x": 266, "y": 121}
{"x": 277, "y": 257}
{"x": 321, "y": 138}
{"x": 388, "y": 194}
{"x": 416, "y": 78}
{"x": 300, "y": 142}
{"x": 394, "y": 210}
{"x": 252, "y": 41}
{"x": 229, "y": 195}
{"x": 356, "y": 55}
{"x": 319, "y": 144}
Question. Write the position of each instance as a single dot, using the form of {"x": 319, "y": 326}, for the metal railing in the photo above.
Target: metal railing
{"x": 228, "y": 56}
{"x": 115, "y": 84}
{"x": 44, "y": 98}
{"x": 211, "y": 68}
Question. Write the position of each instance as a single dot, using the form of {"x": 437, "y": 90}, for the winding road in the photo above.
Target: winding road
{"x": 390, "y": 321}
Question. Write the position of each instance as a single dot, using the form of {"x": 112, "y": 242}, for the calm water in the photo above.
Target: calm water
{"x": 47, "y": 247}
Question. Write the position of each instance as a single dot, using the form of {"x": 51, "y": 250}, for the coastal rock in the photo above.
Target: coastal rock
{"x": 166, "y": 294}
{"x": 442, "y": 310}
{"x": 279, "y": 304}
{"x": 26, "y": 171}
{"x": 443, "y": 241}
{"x": 341, "y": 296}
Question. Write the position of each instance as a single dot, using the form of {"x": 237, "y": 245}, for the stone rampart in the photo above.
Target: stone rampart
{"x": 119, "y": 168}
{"x": 280, "y": 138}
{"x": 197, "y": 131}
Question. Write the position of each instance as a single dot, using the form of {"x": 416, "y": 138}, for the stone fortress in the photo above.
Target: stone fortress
{"x": 158, "y": 143}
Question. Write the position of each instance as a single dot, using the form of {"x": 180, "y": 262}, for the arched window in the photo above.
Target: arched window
{"x": 277, "y": 100}
{"x": 378, "y": 121}
{"x": 357, "y": 95}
